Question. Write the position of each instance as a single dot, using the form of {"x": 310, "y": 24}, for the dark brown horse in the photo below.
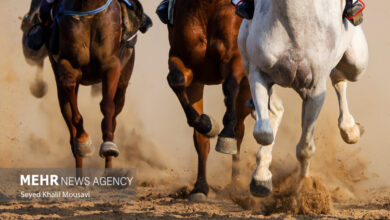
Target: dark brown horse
{"x": 89, "y": 53}
{"x": 204, "y": 51}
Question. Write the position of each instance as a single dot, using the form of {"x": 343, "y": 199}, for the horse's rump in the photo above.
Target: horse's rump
{"x": 130, "y": 20}
{"x": 204, "y": 30}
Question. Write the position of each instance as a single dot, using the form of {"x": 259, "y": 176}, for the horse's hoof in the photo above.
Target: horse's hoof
{"x": 214, "y": 128}
{"x": 84, "y": 149}
{"x": 226, "y": 145}
{"x": 109, "y": 149}
{"x": 197, "y": 197}
{"x": 261, "y": 188}
{"x": 38, "y": 88}
{"x": 352, "y": 135}
{"x": 263, "y": 132}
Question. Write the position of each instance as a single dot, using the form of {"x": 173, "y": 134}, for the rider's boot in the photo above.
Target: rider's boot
{"x": 162, "y": 11}
{"x": 146, "y": 23}
{"x": 354, "y": 12}
{"x": 41, "y": 32}
{"x": 244, "y": 9}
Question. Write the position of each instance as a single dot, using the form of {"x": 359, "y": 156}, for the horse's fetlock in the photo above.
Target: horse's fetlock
{"x": 228, "y": 132}
{"x": 201, "y": 186}
{"x": 202, "y": 124}
{"x": 108, "y": 136}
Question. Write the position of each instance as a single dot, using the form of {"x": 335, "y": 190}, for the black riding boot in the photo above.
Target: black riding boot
{"x": 354, "y": 12}
{"x": 245, "y": 9}
{"x": 38, "y": 36}
{"x": 40, "y": 33}
{"x": 146, "y": 23}
{"x": 162, "y": 11}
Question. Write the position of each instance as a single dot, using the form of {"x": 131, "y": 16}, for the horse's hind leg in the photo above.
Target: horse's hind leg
{"x": 351, "y": 67}
{"x": 227, "y": 140}
{"x": 119, "y": 100}
{"x": 110, "y": 85}
{"x": 180, "y": 78}
{"x": 311, "y": 108}
{"x": 67, "y": 89}
{"x": 202, "y": 145}
{"x": 242, "y": 111}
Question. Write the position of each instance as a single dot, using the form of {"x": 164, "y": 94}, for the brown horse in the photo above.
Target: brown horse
{"x": 204, "y": 51}
{"x": 89, "y": 53}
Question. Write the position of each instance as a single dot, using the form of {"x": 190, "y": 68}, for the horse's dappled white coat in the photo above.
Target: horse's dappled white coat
{"x": 299, "y": 44}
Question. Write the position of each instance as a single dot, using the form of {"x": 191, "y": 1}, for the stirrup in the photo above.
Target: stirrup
{"x": 245, "y": 9}
{"x": 354, "y": 12}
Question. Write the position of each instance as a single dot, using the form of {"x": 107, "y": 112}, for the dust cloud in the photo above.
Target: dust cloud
{"x": 154, "y": 137}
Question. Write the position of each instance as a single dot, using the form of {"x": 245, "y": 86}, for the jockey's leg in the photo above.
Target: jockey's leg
{"x": 162, "y": 11}
{"x": 41, "y": 33}
{"x": 244, "y": 8}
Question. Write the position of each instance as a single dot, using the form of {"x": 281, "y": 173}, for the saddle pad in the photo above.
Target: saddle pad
{"x": 171, "y": 10}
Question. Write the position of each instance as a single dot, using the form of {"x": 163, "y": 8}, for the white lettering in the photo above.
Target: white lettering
{"x": 54, "y": 180}
{"x": 44, "y": 179}
{"x": 35, "y": 180}
{"x": 24, "y": 180}
{"x": 39, "y": 180}
{"x": 130, "y": 180}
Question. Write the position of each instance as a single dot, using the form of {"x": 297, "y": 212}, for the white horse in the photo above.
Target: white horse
{"x": 299, "y": 44}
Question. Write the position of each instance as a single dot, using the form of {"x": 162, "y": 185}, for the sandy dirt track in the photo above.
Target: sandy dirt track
{"x": 153, "y": 137}
{"x": 156, "y": 203}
